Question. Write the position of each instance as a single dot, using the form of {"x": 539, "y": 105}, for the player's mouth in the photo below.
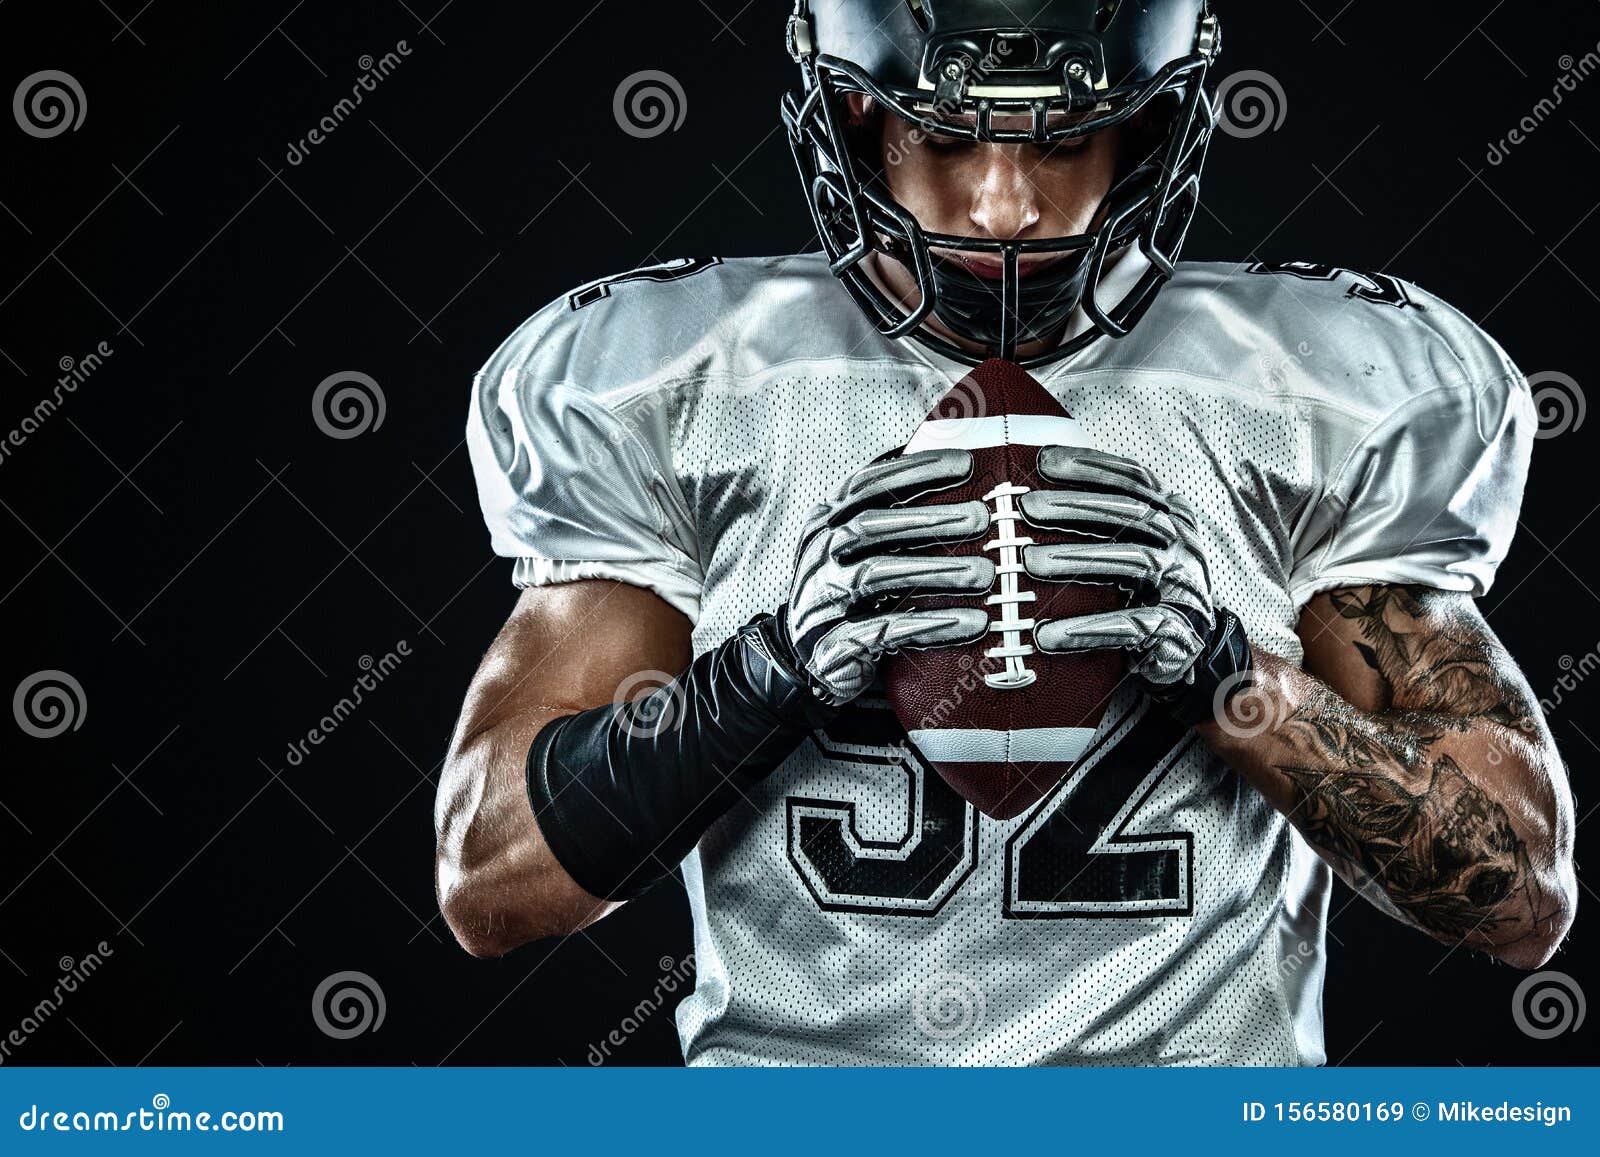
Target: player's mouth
{"x": 993, "y": 268}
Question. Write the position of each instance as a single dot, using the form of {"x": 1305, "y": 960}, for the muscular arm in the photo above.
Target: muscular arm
{"x": 1412, "y": 755}
{"x": 564, "y": 649}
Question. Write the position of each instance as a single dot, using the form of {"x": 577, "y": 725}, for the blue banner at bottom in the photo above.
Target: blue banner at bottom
{"x": 665, "y": 1112}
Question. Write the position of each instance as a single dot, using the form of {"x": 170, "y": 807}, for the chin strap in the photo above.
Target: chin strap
{"x": 1222, "y": 671}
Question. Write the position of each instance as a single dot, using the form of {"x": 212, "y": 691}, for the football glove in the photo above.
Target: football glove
{"x": 1189, "y": 653}
{"x": 845, "y": 607}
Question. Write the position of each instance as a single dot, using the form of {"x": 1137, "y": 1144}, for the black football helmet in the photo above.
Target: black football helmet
{"x": 1072, "y": 67}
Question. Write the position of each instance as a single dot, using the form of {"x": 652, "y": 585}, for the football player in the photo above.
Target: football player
{"x": 1303, "y": 474}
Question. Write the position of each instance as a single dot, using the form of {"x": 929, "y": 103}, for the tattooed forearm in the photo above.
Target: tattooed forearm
{"x": 1411, "y": 754}
{"x": 1427, "y": 659}
{"x": 1407, "y": 826}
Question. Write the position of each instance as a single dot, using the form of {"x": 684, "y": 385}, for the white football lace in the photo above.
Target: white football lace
{"x": 1010, "y": 625}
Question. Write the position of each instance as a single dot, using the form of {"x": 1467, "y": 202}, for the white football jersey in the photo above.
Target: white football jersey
{"x": 671, "y": 427}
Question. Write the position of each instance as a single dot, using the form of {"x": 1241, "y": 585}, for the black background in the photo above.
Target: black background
{"x": 183, "y": 540}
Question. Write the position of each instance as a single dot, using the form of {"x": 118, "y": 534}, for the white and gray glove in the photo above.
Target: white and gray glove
{"x": 1184, "y": 648}
{"x": 846, "y": 606}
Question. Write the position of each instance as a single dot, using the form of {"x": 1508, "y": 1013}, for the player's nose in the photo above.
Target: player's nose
{"x": 1005, "y": 203}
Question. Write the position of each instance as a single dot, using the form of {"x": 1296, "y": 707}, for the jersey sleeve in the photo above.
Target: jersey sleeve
{"x": 1430, "y": 494}
{"x": 573, "y": 465}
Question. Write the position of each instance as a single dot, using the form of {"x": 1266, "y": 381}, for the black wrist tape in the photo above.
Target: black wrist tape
{"x": 1222, "y": 671}
{"x": 623, "y": 792}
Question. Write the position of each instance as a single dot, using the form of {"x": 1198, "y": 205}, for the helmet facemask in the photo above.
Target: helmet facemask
{"x": 1022, "y": 77}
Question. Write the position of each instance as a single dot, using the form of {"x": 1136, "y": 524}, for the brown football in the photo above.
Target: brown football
{"x": 1001, "y": 722}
